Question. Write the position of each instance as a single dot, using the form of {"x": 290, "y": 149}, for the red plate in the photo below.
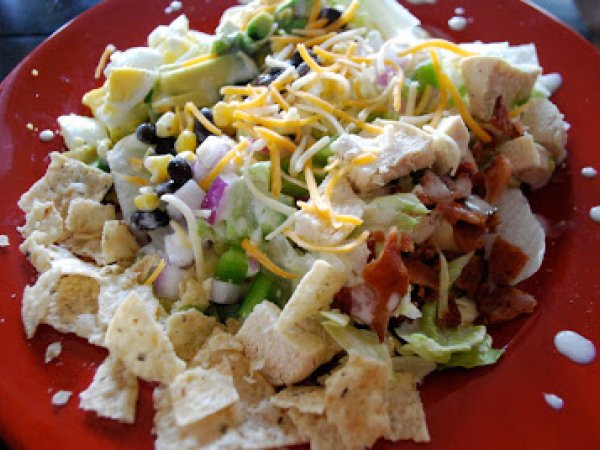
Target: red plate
{"x": 501, "y": 407}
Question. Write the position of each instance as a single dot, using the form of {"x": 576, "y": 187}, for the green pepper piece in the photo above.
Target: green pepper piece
{"x": 425, "y": 74}
{"x": 260, "y": 26}
{"x": 232, "y": 266}
{"x": 100, "y": 164}
{"x": 260, "y": 289}
{"x": 321, "y": 158}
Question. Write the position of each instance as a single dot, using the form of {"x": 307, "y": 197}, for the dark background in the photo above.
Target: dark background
{"x": 24, "y": 24}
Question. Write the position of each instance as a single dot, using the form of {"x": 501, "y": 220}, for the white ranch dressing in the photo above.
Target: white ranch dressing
{"x": 589, "y": 172}
{"x": 554, "y": 401}
{"x": 457, "y": 23}
{"x": 575, "y": 347}
{"x": 595, "y": 213}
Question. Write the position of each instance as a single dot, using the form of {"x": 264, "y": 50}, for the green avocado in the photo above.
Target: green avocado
{"x": 201, "y": 82}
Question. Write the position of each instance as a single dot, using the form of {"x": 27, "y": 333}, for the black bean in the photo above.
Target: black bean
{"x": 201, "y": 132}
{"x": 265, "y": 79}
{"x": 149, "y": 220}
{"x": 168, "y": 187}
{"x": 331, "y": 14}
{"x": 302, "y": 69}
{"x": 165, "y": 146}
{"x": 146, "y": 133}
{"x": 296, "y": 59}
{"x": 179, "y": 170}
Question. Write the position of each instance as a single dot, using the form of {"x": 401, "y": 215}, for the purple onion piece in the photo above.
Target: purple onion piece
{"x": 213, "y": 198}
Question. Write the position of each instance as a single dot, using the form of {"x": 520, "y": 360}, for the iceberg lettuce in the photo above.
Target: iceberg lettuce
{"x": 463, "y": 346}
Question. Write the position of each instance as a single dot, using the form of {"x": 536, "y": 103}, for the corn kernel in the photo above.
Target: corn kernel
{"x": 146, "y": 202}
{"x": 188, "y": 156}
{"x": 223, "y": 114}
{"x": 157, "y": 166}
{"x": 167, "y": 125}
{"x": 186, "y": 141}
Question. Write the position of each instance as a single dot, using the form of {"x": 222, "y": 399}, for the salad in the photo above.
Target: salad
{"x": 288, "y": 224}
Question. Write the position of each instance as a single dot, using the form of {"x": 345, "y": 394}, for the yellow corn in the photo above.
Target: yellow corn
{"x": 146, "y": 202}
{"x": 186, "y": 141}
{"x": 157, "y": 166}
{"x": 188, "y": 155}
{"x": 223, "y": 114}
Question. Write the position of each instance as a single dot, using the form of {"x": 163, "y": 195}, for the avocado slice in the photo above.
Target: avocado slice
{"x": 201, "y": 82}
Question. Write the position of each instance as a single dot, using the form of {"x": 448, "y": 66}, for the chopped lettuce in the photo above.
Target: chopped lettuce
{"x": 387, "y": 16}
{"x": 463, "y": 346}
{"x": 403, "y": 211}
{"x": 356, "y": 341}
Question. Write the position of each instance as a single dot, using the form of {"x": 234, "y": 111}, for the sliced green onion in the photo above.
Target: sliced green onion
{"x": 260, "y": 290}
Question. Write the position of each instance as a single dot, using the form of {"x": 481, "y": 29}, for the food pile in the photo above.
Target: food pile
{"x": 288, "y": 224}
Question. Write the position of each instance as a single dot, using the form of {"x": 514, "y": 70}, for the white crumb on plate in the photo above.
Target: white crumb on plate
{"x": 168, "y": 10}
{"x": 554, "y": 401}
{"x": 60, "y": 398}
{"x": 35, "y": 72}
{"x": 46, "y": 135}
{"x": 52, "y": 352}
{"x": 422, "y": 2}
{"x": 4, "y": 242}
{"x": 176, "y": 5}
{"x": 459, "y": 11}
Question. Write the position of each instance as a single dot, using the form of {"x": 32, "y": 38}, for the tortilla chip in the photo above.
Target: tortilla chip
{"x": 88, "y": 249}
{"x": 198, "y": 393}
{"x": 192, "y": 293}
{"x": 113, "y": 392}
{"x": 305, "y": 399}
{"x": 218, "y": 346}
{"x": 314, "y": 292}
{"x": 144, "y": 267}
{"x": 36, "y": 299}
{"x": 357, "y": 400}
{"x": 66, "y": 179}
{"x": 44, "y": 224}
{"x": 188, "y": 330}
{"x": 250, "y": 423}
{"x": 135, "y": 337}
{"x": 117, "y": 243}
{"x": 317, "y": 430}
{"x": 86, "y": 216}
{"x": 43, "y": 257}
{"x": 407, "y": 418}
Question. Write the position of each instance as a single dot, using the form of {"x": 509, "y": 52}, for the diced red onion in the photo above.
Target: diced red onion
{"x": 167, "y": 283}
{"x": 224, "y": 293}
{"x": 213, "y": 198}
{"x": 178, "y": 254}
{"x": 210, "y": 153}
{"x": 191, "y": 194}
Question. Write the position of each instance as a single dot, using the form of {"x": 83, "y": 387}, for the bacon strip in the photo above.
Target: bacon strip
{"x": 386, "y": 282}
{"x": 501, "y": 120}
{"x": 506, "y": 261}
{"x": 504, "y": 304}
{"x": 496, "y": 177}
{"x": 472, "y": 276}
{"x": 422, "y": 274}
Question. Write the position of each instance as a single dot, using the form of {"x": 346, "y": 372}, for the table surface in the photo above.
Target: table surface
{"x": 25, "y": 24}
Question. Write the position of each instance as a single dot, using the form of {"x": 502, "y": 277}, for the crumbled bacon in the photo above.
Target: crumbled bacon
{"x": 505, "y": 303}
{"x": 501, "y": 121}
{"x": 434, "y": 189}
{"x": 452, "y": 317}
{"x": 455, "y": 212}
{"x": 477, "y": 181}
{"x": 468, "y": 237}
{"x": 386, "y": 282}
{"x": 472, "y": 275}
{"x": 506, "y": 261}
{"x": 496, "y": 177}
{"x": 422, "y": 274}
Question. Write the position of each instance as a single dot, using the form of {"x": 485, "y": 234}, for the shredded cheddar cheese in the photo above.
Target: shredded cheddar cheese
{"x": 203, "y": 120}
{"x": 345, "y": 17}
{"x": 109, "y": 50}
{"x": 436, "y": 43}
{"x": 275, "y": 138}
{"x": 156, "y": 272}
{"x": 231, "y": 154}
{"x": 264, "y": 260}
{"x": 343, "y": 248}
